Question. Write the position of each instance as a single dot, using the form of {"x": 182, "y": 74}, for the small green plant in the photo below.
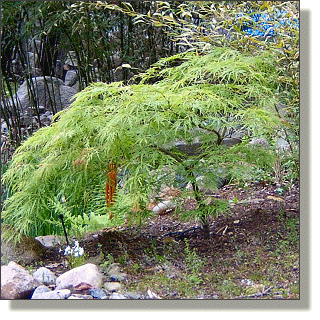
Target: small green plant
{"x": 5, "y": 259}
{"x": 159, "y": 258}
{"x": 109, "y": 260}
{"x": 136, "y": 267}
{"x": 295, "y": 288}
{"x": 292, "y": 230}
{"x": 194, "y": 263}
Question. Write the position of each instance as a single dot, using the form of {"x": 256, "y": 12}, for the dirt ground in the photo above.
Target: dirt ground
{"x": 252, "y": 252}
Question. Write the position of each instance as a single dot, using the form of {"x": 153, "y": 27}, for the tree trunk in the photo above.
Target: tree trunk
{"x": 206, "y": 232}
{"x": 203, "y": 218}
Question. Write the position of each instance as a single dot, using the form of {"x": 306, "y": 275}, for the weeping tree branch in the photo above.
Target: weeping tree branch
{"x": 196, "y": 191}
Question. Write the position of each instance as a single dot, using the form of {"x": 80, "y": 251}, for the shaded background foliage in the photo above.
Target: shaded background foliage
{"x": 106, "y": 35}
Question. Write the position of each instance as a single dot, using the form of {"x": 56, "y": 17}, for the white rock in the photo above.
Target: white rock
{"x": 16, "y": 282}
{"x": 163, "y": 206}
{"x": 43, "y": 293}
{"x": 45, "y": 276}
{"x": 112, "y": 286}
{"x": 152, "y": 295}
{"x": 117, "y": 296}
{"x": 87, "y": 273}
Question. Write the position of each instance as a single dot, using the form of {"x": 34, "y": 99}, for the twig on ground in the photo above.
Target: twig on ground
{"x": 257, "y": 295}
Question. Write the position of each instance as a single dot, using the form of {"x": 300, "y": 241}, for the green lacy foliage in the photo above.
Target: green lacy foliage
{"x": 61, "y": 169}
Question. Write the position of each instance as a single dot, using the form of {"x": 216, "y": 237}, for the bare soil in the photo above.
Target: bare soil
{"x": 252, "y": 252}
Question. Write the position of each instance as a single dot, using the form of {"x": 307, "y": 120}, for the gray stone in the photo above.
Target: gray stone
{"x": 262, "y": 142}
{"x": 80, "y": 296}
{"x": 45, "y": 276}
{"x": 49, "y": 92}
{"x": 42, "y": 292}
{"x": 50, "y": 241}
{"x": 71, "y": 59}
{"x": 97, "y": 293}
{"x": 112, "y": 286}
{"x": 117, "y": 296}
{"x": 33, "y": 64}
{"x": 282, "y": 144}
{"x": 133, "y": 295}
{"x": 115, "y": 273}
{"x": 71, "y": 78}
{"x": 16, "y": 282}
{"x": 87, "y": 273}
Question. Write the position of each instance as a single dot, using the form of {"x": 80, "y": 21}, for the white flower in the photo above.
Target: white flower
{"x": 76, "y": 251}
{"x": 67, "y": 251}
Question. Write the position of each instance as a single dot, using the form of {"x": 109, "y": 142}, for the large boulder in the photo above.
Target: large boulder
{"x": 49, "y": 92}
{"x": 16, "y": 282}
{"x": 27, "y": 250}
{"x": 87, "y": 274}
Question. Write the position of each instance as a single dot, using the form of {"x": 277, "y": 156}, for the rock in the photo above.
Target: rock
{"x": 42, "y": 292}
{"x": 117, "y": 296}
{"x": 71, "y": 60}
{"x": 112, "y": 286}
{"x": 133, "y": 295}
{"x": 83, "y": 286}
{"x": 169, "y": 193}
{"x": 171, "y": 271}
{"x": 45, "y": 276}
{"x": 39, "y": 291}
{"x": 33, "y": 63}
{"x": 50, "y": 241}
{"x": 45, "y": 121}
{"x": 50, "y": 92}
{"x": 114, "y": 272}
{"x": 97, "y": 293}
{"x": 87, "y": 273}
{"x": 28, "y": 250}
{"x": 16, "y": 282}
{"x": 4, "y": 126}
{"x": 229, "y": 142}
{"x": 261, "y": 142}
{"x": 71, "y": 78}
{"x": 152, "y": 295}
{"x": 80, "y": 296}
{"x": 164, "y": 206}
{"x": 282, "y": 144}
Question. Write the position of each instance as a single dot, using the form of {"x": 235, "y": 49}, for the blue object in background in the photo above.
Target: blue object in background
{"x": 263, "y": 25}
